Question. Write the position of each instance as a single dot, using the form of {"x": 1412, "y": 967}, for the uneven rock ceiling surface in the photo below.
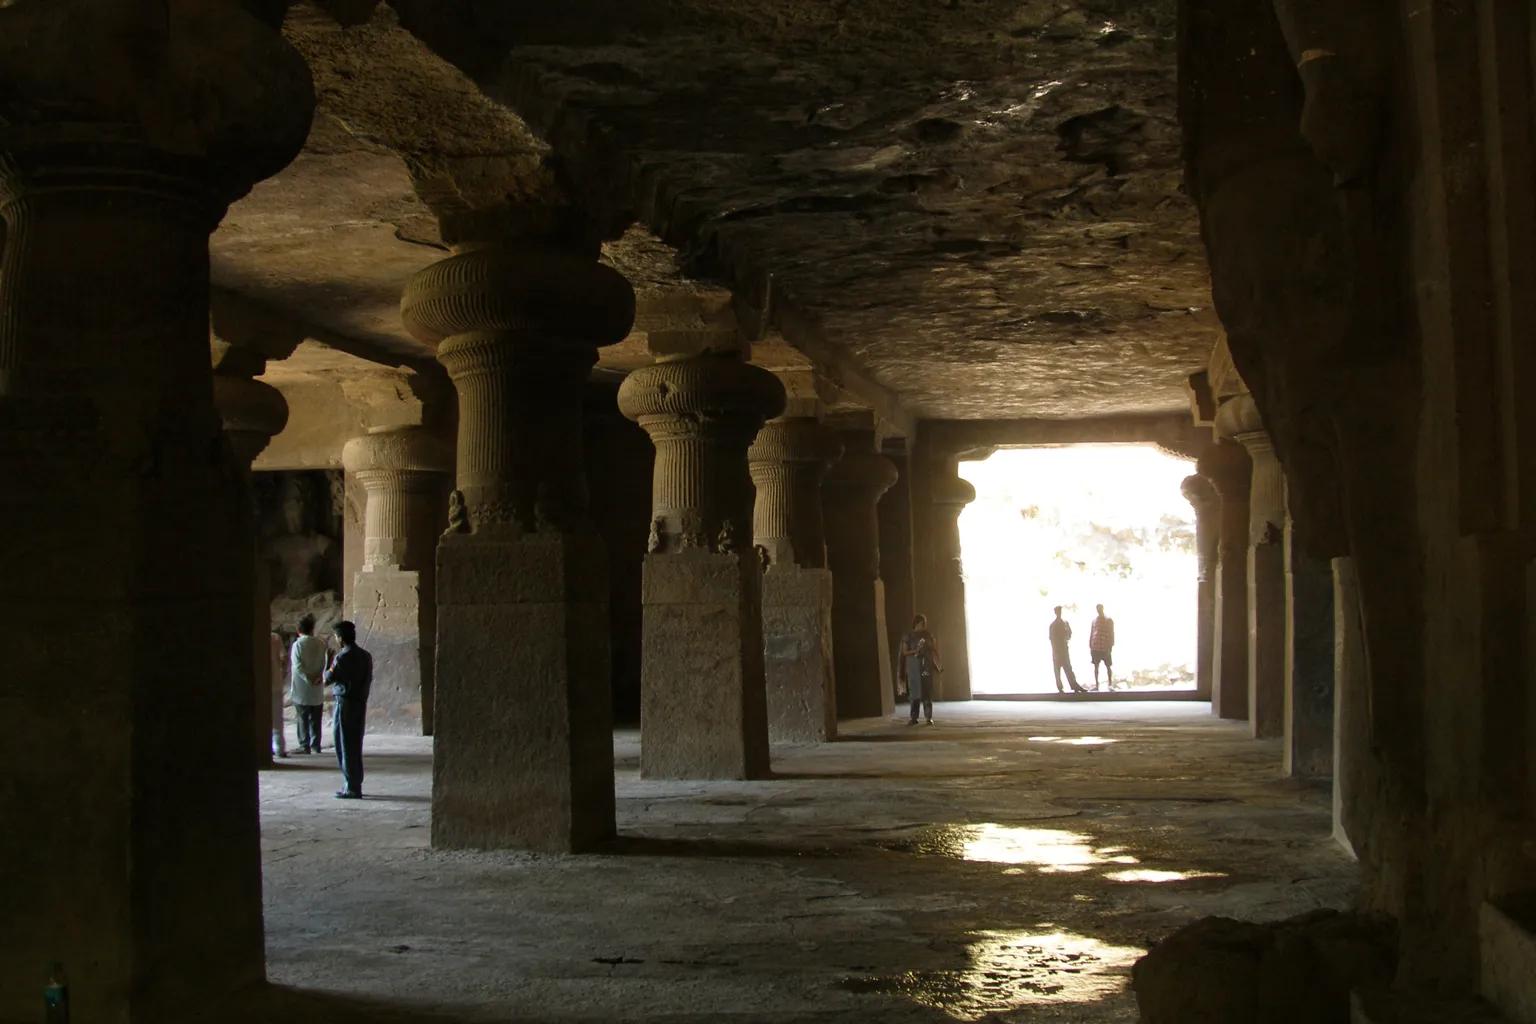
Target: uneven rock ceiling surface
{"x": 971, "y": 206}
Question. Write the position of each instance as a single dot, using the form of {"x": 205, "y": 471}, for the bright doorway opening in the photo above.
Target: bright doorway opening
{"x": 1079, "y": 526}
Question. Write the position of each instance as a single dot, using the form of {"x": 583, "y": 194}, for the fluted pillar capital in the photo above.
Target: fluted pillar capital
{"x": 788, "y": 461}
{"x": 952, "y": 491}
{"x": 711, "y": 392}
{"x": 518, "y": 327}
{"x": 252, "y": 412}
{"x": 404, "y": 450}
{"x": 1227, "y": 466}
{"x": 1200, "y": 493}
{"x": 702, "y": 413}
{"x": 796, "y": 439}
{"x": 199, "y": 99}
{"x": 1239, "y": 415}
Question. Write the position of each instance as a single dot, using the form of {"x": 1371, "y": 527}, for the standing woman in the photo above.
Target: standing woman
{"x": 920, "y": 661}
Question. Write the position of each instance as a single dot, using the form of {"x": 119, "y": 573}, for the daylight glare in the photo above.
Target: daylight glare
{"x": 1078, "y": 526}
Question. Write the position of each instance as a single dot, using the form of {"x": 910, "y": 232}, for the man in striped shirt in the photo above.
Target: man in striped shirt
{"x": 1101, "y": 641}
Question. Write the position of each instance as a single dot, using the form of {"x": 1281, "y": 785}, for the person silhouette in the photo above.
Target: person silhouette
{"x": 1061, "y": 633}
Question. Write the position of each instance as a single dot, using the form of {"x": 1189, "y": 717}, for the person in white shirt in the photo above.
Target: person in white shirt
{"x": 307, "y": 660}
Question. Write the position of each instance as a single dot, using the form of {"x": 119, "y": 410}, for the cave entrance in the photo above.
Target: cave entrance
{"x": 1079, "y": 526}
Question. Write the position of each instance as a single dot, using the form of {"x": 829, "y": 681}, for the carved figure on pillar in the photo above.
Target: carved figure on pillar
{"x": 110, "y": 182}
{"x": 522, "y": 700}
{"x": 1238, "y": 418}
{"x": 1202, "y": 496}
{"x": 404, "y": 474}
{"x": 703, "y": 710}
{"x": 850, "y": 499}
{"x": 1227, "y": 467}
{"x": 788, "y": 461}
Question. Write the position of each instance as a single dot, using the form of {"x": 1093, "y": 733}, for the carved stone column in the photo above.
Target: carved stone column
{"x": 522, "y": 709}
{"x": 1227, "y": 467}
{"x": 951, "y": 493}
{"x": 788, "y": 460}
{"x": 1207, "y": 505}
{"x": 132, "y": 852}
{"x": 703, "y": 712}
{"x": 1239, "y": 419}
{"x": 394, "y": 597}
{"x": 850, "y": 495}
{"x": 253, "y": 412}
{"x": 896, "y": 573}
{"x": 1310, "y": 626}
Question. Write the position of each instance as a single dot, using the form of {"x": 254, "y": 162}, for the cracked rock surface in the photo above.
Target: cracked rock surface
{"x": 1010, "y": 863}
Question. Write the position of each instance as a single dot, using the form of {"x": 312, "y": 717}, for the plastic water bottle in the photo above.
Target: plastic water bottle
{"x": 56, "y": 996}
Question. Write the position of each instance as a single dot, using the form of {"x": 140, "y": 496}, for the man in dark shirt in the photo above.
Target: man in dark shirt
{"x": 350, "y": 676}
{"x": 1061, "y": 661}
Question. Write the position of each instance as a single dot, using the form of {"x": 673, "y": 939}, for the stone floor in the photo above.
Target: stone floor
{"x": 1007, "y": 864}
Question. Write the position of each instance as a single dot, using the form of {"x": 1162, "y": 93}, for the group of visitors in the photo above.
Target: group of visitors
{"x": 312, "y": 666}
{"x": 1101, "y": 644}
{"x": 919, "y": 663}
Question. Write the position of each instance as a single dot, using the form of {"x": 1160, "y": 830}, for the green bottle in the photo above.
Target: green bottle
{"x": 56, "y": 996}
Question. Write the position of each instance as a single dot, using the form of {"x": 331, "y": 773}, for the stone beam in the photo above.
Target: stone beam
{"x": 1173, "y": 433}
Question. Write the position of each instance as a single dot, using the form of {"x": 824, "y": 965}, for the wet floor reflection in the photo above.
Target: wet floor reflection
{"x": 1150, "y": 875}
{"x": 1007, "y": 970}
{"x": 1075, "y": 741}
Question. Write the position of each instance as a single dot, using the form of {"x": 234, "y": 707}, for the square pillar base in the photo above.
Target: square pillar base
{"x": 797, "y": 651}
{"x": 523, "y": 723}
{"x": 703, "y": 705}
{"x": 388, "y": 612}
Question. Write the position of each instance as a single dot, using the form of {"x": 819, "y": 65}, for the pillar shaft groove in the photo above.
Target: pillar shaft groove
{"x": 788, "y": 462}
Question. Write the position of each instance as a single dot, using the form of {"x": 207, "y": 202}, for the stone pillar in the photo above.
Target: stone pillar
{"x": 1352, "y": 777}
{"x": 131, "y": 851}
{"x": 895, "y": 511}
{"x": 253, "y": 412}
{"x": 951, "y": 493}
{"x": 1227, "y": 467}
{"x": 788, "y": 460}
{"x": 1239, "y": 419}
{"x": 849, "y": 495}
{"x": 394, "y": 596}
{"x": 1207, "y": 505}
{"x": 522, "y": 710}
{"x": 1309, "y": 661}
{"x": 703, "y": 710}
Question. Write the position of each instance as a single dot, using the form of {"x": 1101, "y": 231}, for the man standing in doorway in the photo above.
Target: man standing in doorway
{"x": 1061, "y": 633}
{"x": 350, "y": 677}
{"x": 1101, "y": 641}
{"x": 306, "y": 667}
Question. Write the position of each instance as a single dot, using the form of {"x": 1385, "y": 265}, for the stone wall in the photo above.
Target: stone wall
{"x": 1363, "y": 178}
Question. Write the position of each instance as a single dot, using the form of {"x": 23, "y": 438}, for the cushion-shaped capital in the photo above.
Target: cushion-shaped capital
{"x": 1199, "y": 492}
{"x": 953, "y": 490}
{"x": 412, "y": 449}
{"x": 249, "y": 406}
{"x": 796, "y": 439}
{"x": 1239, "y": 415}
{"x": 550, "y": 294}
{"x": 199, "y": 81}
{"x": 713, "y": 385}
{"x": 864, "y": 471}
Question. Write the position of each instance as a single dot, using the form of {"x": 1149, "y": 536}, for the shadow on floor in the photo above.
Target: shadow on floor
{"x": 651, "y": 846}
{"x": 279, "y": 1004}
